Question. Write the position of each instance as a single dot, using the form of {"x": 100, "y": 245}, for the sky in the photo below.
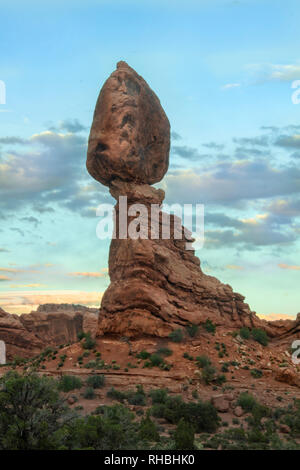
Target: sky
{"x": 223, "y": 71}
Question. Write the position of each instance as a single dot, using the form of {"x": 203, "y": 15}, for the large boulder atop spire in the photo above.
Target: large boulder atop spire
{"x": 130, "y": 134}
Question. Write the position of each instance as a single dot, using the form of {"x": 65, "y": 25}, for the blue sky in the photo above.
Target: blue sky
{"x": 223, "y": 71}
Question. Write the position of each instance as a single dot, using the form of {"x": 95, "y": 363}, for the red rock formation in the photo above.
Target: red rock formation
{"x": 156, "y": 284}
{"x": 51, "y": 325}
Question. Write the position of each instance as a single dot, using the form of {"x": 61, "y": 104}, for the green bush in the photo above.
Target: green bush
{"x": 156, "y": 360}
{"x": 208, "y": 374}
{"x": 138, "y": 397}
{"x": 187, "y": 356}
{"x": 148, "y": 430}
{"x": 256, "y": 373}
{"x": 220, "y": 379}
{"x": 176, "y": 336}
{"x": 96, "y": 381}
{"x": 192, "y": 330}
{"x": 80, "y": 335}
{"x": 158, "y": 410}
{"x": 164, "y": 351}
{"x": 184, "y": 436}
{"x": 260, "y": 336}
{"x": 89, "y": 342}
{"x": 68, "y": 383}
{"x": 209, "y": 326}
{"x": 203, "y": 361}
{"x": 225, "y": 367}
{"x": 116, "y": 394}
{"x": 143, "y": 355}
{"x": 202, "y": 415}
{"x": 112, "y": 429}
{"x": 246, "y": 401}
{"x": 159, "y": 395}
{"x": 89, "y": 393}
{"x": 31, "y": 412}
{"x": 245, "y": 333}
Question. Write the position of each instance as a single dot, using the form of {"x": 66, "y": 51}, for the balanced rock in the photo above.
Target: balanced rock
{"x": 157, "y": 285}
{"x": 130, "y": 135}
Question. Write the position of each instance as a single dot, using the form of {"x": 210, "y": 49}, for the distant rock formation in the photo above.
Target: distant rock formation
{"x": 50, "y": 325}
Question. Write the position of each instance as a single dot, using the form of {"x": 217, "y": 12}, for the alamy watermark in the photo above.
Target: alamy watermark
{"x": 296, "y": 351}
{"x": 140, "y": 221}
{"x": 2, "y": 92}
{"x": 296, "y": 94}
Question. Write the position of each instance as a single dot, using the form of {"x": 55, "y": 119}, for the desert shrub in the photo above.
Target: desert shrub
{"x": 245, "y": 332}
{"x": 148, "y": 430}
{"x": 225, "y": 367}
{"x": 113, "y": 428}
{"x": 187, "y": 356}
{"x": 292, "y": 419}
{"x": 137, "y": 397}
{"x": 258, "y": 412}
{"x": 203, "y": 361}
{"x": 158, "y": 410}
{"x": 202, "y": 415}
{"x": 96, "y": 381}
{"x": 68, "y": 383}
{"x": 260, "y": 336}
{"x": 31, "y": 412}
{"x": 176, "y": 336}
{"x": 256, "y": 373}
{"x": 192, "y": 330}
{"x": 164, "y": 352}
{"x": 116, "y": 394}
{"x": 220, "y": 379}
{"x": 256, "y": 436}
{"x": 159, "y": 395}
{"x": 209, "y": 326}
{"x": 246, "y": 401}
{"x": 236, "y": 434}
{"x": 155, "y": 360}
{"x": 89, "y": 342}
{"x": 208, "y": 374}
{"x": 184, "y": 436}
{"x": 80, "y": 335}
{"x": 90, "y": 364}
{"x": 89, "y": 393}
{"x": 143, "y": 355}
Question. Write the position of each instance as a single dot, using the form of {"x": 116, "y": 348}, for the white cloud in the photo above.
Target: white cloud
{"x": 230, "y": 85}
{"x": 275, "y": 72}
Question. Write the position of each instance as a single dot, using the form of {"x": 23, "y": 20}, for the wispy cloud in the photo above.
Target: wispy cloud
{"x": 234, "y": 267}
{"x": 274, "y": 72}
{"x": 24, "y": 286}
{"x": 10, "y": 270}
{"x": 26, "y": 301}
{"x": 87, "y": 274}
{"x": 276, "y": 316}
{"x": 289, "y": 266}
{"x": 228, "y": 86}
